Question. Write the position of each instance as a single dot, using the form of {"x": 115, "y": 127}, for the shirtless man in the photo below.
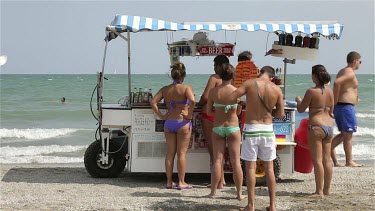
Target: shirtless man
{"x": 345, "y": 97}
{"x": 207, "y": 120}
{"x": 258, "y": 137}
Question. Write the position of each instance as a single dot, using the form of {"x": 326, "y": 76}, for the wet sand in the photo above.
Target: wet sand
{"x": 70, "y": 187}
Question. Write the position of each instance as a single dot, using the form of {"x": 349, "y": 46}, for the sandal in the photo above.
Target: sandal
{"x": 188, "y": 187}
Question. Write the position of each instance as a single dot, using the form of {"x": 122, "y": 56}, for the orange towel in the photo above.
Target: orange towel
{"x": 245, "y": 70}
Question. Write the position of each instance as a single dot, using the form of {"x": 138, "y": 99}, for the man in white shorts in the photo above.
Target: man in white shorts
{"x": 258, "y": 137}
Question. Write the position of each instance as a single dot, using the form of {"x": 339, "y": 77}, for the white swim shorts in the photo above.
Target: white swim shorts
{"x": 258, "y": 141}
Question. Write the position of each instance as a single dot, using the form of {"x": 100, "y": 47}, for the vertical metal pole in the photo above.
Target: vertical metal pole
{"x": 284, "y": 78}
{"x": 129, "y": 70}
{"x": 105, "y": 146}
{"x": 130, "y": 141}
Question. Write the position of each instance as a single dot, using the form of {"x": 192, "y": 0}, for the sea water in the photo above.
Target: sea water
{"x": 36, "y": 127}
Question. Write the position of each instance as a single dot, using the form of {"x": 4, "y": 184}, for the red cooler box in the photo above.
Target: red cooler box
{"x": 302, "y": 158}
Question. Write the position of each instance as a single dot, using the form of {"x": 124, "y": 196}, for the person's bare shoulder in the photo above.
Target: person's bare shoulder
{"x": 274, "y": 86}
{"x": 215, "y": 76}
{"x": 345, "y": 71}
{"x": 345, "y": 74}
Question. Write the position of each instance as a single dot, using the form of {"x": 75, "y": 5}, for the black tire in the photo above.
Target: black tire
{"x": 116, "y": 161}
{"x": 277, "y": 167}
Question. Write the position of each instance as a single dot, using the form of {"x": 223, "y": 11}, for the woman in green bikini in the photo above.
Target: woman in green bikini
{"x": 225, "y": 129}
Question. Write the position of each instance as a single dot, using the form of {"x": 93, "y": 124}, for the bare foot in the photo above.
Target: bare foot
{"x": 271, "y": 208}
{"x": 247, "y": 208}
{"x": 240, "y": 197}
{"x": 316, "y": 195}
{"x": 353, "y": 164}
{"x": 326, "y": 192}
{"x": 211, "y": 195}
{"x": 338, "y": 165}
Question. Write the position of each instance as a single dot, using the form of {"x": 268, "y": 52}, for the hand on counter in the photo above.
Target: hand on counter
{"x": 298, "y": 99}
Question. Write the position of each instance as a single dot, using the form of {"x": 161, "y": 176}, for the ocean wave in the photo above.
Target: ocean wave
{"x": 361, "y": 131}
{"x": 35, "y": 133}
{"x": 365, "y": 115}
{"x": 39, "y": 154}
{"x": 8, "y": 151}
{"x": 41, "y": 159}
{"x": 359, "y": 152}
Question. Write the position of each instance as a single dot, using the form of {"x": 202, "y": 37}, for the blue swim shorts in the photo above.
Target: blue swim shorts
{"x": 345, "y": 118}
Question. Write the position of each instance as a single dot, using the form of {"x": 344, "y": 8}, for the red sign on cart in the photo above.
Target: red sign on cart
{"x": 208, "y": 50}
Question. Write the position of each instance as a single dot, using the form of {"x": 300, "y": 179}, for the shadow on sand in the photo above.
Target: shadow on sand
{"x": 79, "y": 175}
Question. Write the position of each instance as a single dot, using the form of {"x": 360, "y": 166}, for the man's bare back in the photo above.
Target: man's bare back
{"x": 272, "y": 96}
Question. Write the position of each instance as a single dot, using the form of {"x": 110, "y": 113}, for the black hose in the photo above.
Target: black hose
{"x": 92, "y": 95}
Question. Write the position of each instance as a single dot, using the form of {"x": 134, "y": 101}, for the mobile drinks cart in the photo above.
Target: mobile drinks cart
{"x": 130, "y": 136}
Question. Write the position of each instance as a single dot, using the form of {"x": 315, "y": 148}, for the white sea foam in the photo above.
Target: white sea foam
{"x": 361, "y": 131}
{"x": 359, "y": 152}
{"x": 365, "y": 115}
{"x": 39, "y": 154}
{"x": 35, "y": 133}
{"x": 41, "y": 159}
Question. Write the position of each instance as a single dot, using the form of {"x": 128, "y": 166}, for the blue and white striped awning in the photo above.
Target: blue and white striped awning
{"x": 123, "y": 23}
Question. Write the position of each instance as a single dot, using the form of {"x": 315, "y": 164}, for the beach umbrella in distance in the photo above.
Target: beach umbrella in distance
{"x": 3, "y": 59}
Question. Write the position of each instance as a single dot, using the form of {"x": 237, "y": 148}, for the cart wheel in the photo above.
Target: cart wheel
{"x": 260, "y": 172}
{"x": 116, "y": 161}
{"x": 277, "y": 167}
{"x": 261, "y": 175}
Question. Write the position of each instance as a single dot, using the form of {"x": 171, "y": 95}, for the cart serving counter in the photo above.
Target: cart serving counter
{"x": 130, "y": 136}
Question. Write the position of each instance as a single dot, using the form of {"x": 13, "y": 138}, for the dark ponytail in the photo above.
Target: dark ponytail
{"x": 322, "y": 74}
{"x": 226, "y": 72}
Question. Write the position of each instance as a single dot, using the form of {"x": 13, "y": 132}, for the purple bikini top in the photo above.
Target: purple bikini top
{"x": 172, "y": 104}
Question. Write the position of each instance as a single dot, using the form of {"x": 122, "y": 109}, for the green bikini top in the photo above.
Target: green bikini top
{"x": 226, "y": 107}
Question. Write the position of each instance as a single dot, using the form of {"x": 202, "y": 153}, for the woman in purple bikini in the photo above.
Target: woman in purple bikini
{"x": 180, "y": 102}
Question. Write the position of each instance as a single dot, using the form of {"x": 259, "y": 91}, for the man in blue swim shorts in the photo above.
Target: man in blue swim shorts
{"x": 345, "y": 98}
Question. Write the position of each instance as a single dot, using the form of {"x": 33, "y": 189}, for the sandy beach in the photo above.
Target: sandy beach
{"x": 70, "y": 187}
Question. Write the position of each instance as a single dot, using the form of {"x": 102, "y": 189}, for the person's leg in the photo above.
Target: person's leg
{"x": 218, "y": 150}
{"x": 207, "y": 130}
{"x": 340, "y": 123}
{"x": 169, "y": 158}
{"x": 271, "y": 183}
{"x": 234, "y": 144}
{"x": 335, "y": 142}
{"x": 348, "y": 149}
{"x": 327, "y": 165}
{"x": 315, "y": 136}
{"x": 250, "y": 167}
{"x": 183, "y": 139}
{"x": 207, "y": 126}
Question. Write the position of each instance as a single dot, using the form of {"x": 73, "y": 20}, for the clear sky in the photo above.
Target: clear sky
{"x": 66, "y": 37}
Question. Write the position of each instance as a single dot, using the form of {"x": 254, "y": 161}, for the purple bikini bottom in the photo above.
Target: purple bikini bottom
{"x": 174, "y": 125}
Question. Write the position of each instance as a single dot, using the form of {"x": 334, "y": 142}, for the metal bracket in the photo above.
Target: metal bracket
{"x": 290, "y": 61}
